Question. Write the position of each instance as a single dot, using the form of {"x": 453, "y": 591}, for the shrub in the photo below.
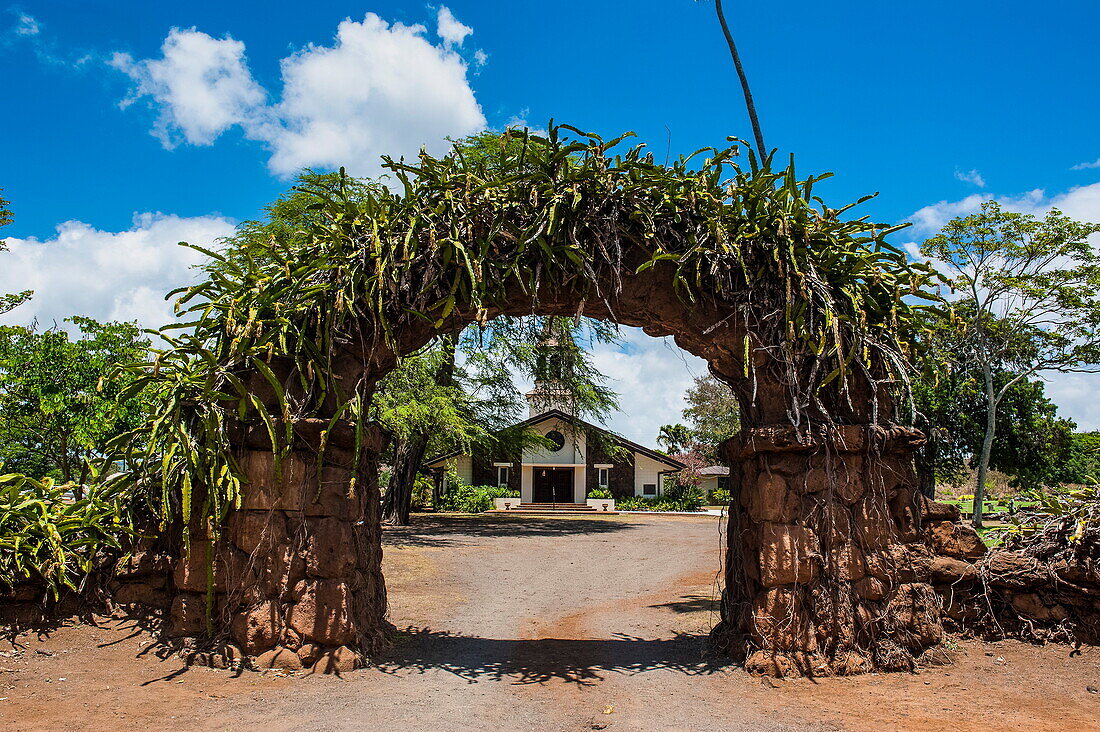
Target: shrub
{"x": 473, "y": 499}
{"x": 720, "y": 497}
{"x": 47, "y": 535}
{"x": 599, "y": 493}
{"x": 692, "y": 502}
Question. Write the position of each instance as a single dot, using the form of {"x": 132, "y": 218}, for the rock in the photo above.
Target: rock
{"x": 847, "y": 560}
{"x": 948, "y": 571}
{"x": 935, "y": 511}
{"x": 771, "y": 499}
{"x": 309, "y": 653}
{"x": 140, "y": 593}
{"x": 191, "y": 570}
{"x": 955, "y": 540}
{"x": 188, "y": 615}
{"x": 321, "y": 612}
{"x": 330, "y": 550}
{"x": 873, "y": 524}
{"x": 142, "y": 564}
{"x": 913, "y": 617}
{"x": 251, "y": 530}
{"x": 869, "y": 588}
{"x": 257, "y": 628}
{"x": 279, "y": 658}
{"x": 338, "y": 661}
{"x": 787, "y": 554}
{"x": 778, "y": 619}
{"x": 1014, "y": 569}
{"x": 1030, "y": 605}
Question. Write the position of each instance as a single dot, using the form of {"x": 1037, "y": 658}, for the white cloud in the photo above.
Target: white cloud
{"x": 201, "y": 86}
{"x": 378, "y": 89}
{"x": 480, "y": 57}
{"x": 1087, "y": 166}
{"x": 970, "y": 176}
{"x": 651, "y": 376}
{"x": 107, "y": 275}
{"x": 27, "y": 25}
{"x": 450, "y": 30}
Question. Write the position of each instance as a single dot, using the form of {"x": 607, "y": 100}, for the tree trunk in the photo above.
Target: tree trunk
{"x": 749, "y": 104}
{"x": 926, "y": 457}
{"x": 987, "y": 448}
{"x": 408, "y": 456}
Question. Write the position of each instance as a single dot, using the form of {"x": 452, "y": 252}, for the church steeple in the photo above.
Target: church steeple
{"x": 551, "y": 358}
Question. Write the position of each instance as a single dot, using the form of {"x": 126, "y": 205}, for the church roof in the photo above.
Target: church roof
{"x": 562, "y": 416}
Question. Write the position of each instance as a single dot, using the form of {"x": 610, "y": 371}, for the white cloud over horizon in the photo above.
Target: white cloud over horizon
{"x": 379, "y": 88}
{"x": 106, "y": 275}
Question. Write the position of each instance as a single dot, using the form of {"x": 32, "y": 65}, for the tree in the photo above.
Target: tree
{"x": 58, "y": 397}
{"x": 1030, "y": 292}
{"x": 750, "y": 106}
{"x": 713, "y": 413}
{"x": 675, "y": 438}
{"x": 1031, "y": 442}
{"x": 9, "y": 302}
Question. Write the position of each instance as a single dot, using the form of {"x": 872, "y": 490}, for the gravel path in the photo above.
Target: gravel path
{"x": 510, "y": 623}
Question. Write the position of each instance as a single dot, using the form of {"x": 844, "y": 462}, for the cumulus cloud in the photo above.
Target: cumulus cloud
{"x": 449, "y": 29}
{"x": 379, "y": 88}
{"x": 200, "y": 85}
{"x": 970, "y": 176}
{"x": 651, "y": 376}
{"x": 107, "y": 275}
{"x": 1087, "y": 166}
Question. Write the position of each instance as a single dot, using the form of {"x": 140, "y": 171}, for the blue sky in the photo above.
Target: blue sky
{"x": 116, "y": 142}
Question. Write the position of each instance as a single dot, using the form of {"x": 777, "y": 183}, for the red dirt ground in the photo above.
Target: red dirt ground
{"x": 508, "y": 623}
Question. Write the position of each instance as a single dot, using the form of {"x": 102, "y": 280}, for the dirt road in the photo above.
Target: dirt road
{"x": 539, "y": 624}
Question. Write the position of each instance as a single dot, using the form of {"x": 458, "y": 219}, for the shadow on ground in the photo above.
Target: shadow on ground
{"x": 582, "y": 662}
{"x": 451, "y": 529}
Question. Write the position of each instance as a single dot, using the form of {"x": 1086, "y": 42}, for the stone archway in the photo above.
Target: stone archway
{"x": 823, "y": 536}
{"x": 826, "y": 564}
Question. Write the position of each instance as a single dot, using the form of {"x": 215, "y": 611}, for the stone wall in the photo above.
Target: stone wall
{"x": 297, "y": 571}
{"x": 829, "y": 545}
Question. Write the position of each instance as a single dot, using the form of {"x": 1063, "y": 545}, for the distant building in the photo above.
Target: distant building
{"x": 581, "y": 456}
{"x": 714, "y": 477}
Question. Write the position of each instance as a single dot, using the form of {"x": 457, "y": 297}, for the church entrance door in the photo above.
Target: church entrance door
{"x": 553, "y": 485}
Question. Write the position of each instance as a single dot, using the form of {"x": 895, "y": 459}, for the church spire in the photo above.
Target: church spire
{"x": 552, "y": 356}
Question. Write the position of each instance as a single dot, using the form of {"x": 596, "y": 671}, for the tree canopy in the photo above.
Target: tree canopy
{"x": 59, "y": 403}
{"x": 9, "y": 301}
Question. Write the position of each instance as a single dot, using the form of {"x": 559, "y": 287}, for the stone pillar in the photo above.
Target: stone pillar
{"x": 296, "y": 571}
{"x": 826, "y": 562}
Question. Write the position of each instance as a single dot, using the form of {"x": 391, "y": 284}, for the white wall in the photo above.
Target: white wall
{"x": 645, "y": 471}
{"x": 463, "y": 465}
{"x": 572, "y": 453}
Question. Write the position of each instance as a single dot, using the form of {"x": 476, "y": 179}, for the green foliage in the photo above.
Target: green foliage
{"x": 280, "y": 315}
{"x": 1081, "y": 463}
{"x": 473, "y": 499}
{"x": 9, "y": 302}
{"x": 598, "y": 492}
{"x": 688, "y": 503}
{"x": 719, "y": 497}
{"x": 47, "y": 535}
{"x": 713, "y": 413}
{"x": 1063, "y": 515}
{"x": 59, "y": 402}
{"x": 675, "y": 437}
